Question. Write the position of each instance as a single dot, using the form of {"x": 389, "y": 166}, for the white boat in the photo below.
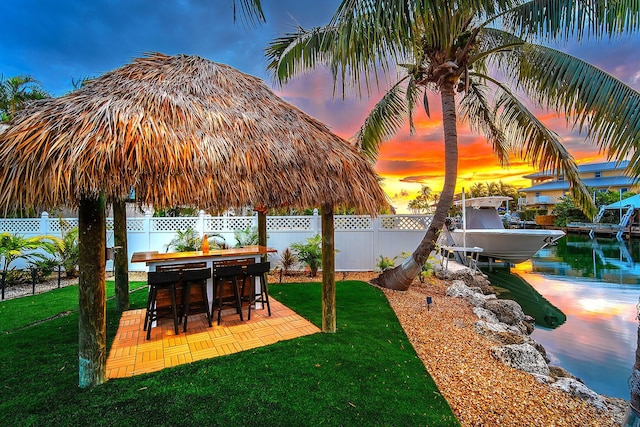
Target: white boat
{"x": 483, "y": 228}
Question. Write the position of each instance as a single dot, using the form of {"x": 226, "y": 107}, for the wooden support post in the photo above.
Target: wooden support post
{"x": 92, "y": 325}
{"x": 121, "y": 257}
{"x": 262, "y": 230}
{"x": 328, "y": 271}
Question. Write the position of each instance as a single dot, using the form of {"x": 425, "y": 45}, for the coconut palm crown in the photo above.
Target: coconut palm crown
{"x": 480, "y": 56}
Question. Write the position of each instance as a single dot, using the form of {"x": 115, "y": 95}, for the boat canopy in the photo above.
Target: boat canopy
{"x": 484, "y": 202}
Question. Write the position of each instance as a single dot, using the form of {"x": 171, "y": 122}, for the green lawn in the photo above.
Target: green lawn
{"x": 365, "y": 374}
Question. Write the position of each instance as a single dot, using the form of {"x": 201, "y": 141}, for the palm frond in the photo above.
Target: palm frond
{"x": 531, "y": 140}
{"x": 573, "y": 19}
{"x": 476, "y": 111}
{"x": 594, "y": 102}
{"x": 384, "y": 120}
{"x": 250, "y": 10}
{"x": 293, "y": 53}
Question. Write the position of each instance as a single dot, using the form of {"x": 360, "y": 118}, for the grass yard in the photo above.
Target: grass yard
{"x": 365, "y": 374}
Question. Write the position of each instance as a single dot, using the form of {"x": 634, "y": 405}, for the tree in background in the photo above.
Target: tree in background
{"x": 478, "y": 56}
{"x": 422, "y": 202}
{"x": 15, "y": 92}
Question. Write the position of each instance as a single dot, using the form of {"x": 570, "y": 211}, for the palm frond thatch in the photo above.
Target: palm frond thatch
{"x": 180, "y": 130}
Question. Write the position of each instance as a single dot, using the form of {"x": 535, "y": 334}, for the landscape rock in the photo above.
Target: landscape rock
{"x": 578, "y": 389}
{"x": 486, "y": 315}
{"x": 522, "y": 356}
{"x": 507, "y": 311}
{"x": 459, "y": 289}
{"x": 489, "y": 329}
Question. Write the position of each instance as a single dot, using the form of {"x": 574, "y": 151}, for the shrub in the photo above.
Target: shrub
{"x": 287, "y": 261}
{"x": 310, "y": 253}
{"x": 189, "y": 240}
{"x": 67, "y": 252}
{"x": 385, "y": 263}
{"x": 246, "y": 237}
{"x": 15, "y": 246}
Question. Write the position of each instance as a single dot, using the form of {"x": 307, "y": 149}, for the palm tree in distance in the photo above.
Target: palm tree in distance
{"x": 15, "y": 92}
{"x": 478, "y": 56}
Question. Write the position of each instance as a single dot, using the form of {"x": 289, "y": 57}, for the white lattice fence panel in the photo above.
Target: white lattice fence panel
{"x": 241, "y": 222}
{"x": 285, "y": 223}
{"x": 135, "y": 224}
{"x": 173, "y": 224}
{"x": 20, "y": 225}
{"x": 216, "y": 223}
{"x": 109, "y": 223}
{"x": 406, "y": 222}
{"x": 63, "y": 226}
{"x": 351, "y": 222}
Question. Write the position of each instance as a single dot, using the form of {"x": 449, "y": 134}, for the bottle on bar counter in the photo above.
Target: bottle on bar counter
{"x": 205, "y": 244}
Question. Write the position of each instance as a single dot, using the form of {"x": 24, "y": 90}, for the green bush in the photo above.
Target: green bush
{"x": 385, "y": 263}
{"x": 310, "y": 253}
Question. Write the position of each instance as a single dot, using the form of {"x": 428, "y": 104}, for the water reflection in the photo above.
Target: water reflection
{"x": 513, "y": 287}
{"x": 596, "y": 284}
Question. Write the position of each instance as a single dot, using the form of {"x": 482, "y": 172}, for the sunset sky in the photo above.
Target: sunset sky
{"x": 56, "y": 42}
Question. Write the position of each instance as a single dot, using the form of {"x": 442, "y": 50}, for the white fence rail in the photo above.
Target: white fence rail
{"x": 359, "y": 240}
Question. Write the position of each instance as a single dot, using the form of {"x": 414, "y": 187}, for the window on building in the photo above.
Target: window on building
{"x": 597, "y": 174}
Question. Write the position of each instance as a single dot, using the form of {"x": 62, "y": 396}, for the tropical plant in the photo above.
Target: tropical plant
{"x": 185, "y": 241}
{"x": 245, "y": 237}
{"x": 287, "y": 261}
{"x": 310, "y": 253}
{"x": 67, "y": 251}
{"x": 16, "y": 246}
{"x": 189, "y": 240}
{"x": 478, "y": 56}
{"x": 385, "y": 263}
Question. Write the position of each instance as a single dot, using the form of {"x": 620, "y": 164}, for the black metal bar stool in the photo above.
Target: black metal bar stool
{"x": 196, "y": 278}
{"x": 259, "y": 269}
{"x": 221, "y": 276}
{"x": 161, "y": 281}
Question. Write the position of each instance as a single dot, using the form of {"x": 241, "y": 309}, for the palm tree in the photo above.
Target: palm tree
{"x": 478, "y": 56}
{"x": 478, "y": 189}
{"x": 15, "y": 91}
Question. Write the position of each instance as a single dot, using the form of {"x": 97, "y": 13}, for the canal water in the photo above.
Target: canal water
{"x": 583, "y": 293}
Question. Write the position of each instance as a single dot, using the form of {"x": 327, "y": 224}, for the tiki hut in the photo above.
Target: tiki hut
{"x": 180, "y": 130}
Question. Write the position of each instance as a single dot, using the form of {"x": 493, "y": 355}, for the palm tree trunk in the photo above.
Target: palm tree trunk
{"x": 401, "y": 277}
{"x": 92, "y": 325}
{"x": 121, "y": 258}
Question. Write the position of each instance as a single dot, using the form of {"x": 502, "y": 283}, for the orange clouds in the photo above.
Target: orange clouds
{"x": 407, "y": 162}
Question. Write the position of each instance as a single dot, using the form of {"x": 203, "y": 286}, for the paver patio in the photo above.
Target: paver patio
{"x": 132, "y": 354}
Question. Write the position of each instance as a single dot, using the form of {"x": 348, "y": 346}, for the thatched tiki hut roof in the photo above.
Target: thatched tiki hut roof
{"x": 181, "y": 130}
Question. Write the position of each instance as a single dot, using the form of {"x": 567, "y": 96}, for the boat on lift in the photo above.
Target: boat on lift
{"x": 482, "y": 227}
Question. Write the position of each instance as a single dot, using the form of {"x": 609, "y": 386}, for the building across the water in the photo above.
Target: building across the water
{"x": 547, "y": 187}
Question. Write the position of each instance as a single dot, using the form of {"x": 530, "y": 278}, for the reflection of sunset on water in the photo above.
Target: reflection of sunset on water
{"x": 597, "y": 342}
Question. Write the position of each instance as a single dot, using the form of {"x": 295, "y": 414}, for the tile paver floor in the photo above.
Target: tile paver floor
{"x": 131, "y": 353}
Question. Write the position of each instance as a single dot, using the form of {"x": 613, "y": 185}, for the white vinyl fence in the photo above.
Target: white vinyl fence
{"x": 359, "y": 240}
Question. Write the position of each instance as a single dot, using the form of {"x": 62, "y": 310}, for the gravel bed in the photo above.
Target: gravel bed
{"x": 480, "y": 390}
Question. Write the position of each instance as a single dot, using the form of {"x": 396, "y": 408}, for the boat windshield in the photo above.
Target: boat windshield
{"x": 483, "y": 219}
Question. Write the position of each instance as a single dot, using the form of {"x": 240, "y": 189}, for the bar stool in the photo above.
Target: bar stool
{"x": 195, "y": 278}
{"x": 221, "y": 276}
{"x": 161, "y": 281}
{"x": 252, "y": 271}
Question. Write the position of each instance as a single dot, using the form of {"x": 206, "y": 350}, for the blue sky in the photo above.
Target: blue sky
{"x": 57, "y": 41}
{"x": 64, "y": 40}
